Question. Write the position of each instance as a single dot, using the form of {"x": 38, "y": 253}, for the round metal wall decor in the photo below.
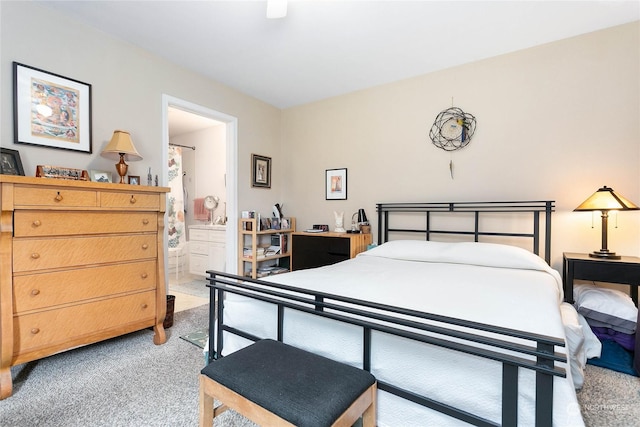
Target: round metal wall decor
{"x": 452, "y": 129}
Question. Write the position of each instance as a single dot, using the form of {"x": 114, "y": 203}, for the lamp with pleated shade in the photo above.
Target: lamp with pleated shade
{"x": 119, "y": 147}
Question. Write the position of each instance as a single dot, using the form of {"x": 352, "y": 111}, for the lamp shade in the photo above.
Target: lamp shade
{"x": 362, "y": 217}
{"x": 605, "y": 199}
{"x": 121, "y": 144}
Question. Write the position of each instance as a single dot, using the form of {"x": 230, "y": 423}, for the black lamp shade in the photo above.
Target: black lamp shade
{"x": 362, "y": 217}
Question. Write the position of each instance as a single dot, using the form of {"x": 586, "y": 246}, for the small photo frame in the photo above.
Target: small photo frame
{"x": 100, "y": 176}
{"x": 134, "y": 180}
{"x": 59, "y": 172}
{"x": 50, "y": 110}
{"x": 260, "y": 171}
{"x": 10, "y": 163}
{"x": 336, "y": 184}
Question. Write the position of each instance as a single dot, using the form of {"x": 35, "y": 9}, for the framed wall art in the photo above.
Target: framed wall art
{"x": 10, "y": 163}
{"x": 260, "y": 171}
{"x": 336, "y": 184}
{"x": 50, "y": 110}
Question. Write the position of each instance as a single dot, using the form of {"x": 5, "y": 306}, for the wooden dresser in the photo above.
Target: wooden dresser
{"x": 80, "y": 262}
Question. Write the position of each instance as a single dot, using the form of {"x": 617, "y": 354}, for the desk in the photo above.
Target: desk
{"x": 624, "y": 271}
{"x": 312, "y": 250}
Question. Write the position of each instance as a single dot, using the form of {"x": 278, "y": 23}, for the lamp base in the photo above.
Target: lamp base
{"x": 122, "y": 167}
{"x": 604, "y": 253}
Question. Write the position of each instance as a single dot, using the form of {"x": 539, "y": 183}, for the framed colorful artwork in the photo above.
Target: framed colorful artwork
{"x": 50, "y": 110}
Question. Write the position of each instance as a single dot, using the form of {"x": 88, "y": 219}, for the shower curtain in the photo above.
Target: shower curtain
{"x": 175, "y": 208}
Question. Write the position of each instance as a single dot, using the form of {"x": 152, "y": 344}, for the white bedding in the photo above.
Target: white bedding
{"x": 489, "y": 283}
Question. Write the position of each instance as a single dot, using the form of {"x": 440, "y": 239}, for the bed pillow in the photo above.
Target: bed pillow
{"x": 604, "y": 307}
{"x": 474, "y": 253}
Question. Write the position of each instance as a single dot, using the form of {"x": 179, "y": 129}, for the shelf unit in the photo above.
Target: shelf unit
{"x": 250, "y": 237}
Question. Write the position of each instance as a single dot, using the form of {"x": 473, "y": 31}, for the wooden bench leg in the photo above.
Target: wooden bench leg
{"x": 206, "y": 405}
{"x": 369, "y": 415}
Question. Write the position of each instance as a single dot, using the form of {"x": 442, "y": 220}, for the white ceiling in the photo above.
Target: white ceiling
{"x": 328, "y": 48}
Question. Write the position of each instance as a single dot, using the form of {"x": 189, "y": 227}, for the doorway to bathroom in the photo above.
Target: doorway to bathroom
{"x": 200, "y": 152}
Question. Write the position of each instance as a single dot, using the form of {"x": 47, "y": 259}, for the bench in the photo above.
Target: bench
{"x": 272, "y": 383}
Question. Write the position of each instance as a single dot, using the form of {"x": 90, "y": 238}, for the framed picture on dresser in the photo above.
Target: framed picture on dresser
{"x": 10, "y": 163}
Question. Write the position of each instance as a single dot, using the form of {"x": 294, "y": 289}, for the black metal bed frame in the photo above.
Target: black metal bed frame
{"x": 538, "y": 354}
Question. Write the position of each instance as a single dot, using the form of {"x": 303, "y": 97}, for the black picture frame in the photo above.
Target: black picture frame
{"x": 260, "y": 171}
{"x": 50, "y": 110}
{"x": 10, "y": 162}
{"x": 336, "y": 184}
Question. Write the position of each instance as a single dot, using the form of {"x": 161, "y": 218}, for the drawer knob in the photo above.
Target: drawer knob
{"x": 144, "y": 306}
{"x": 145, "y": 246}
{"x": 35, "y": 255}
{"x": 58, "y": 197}
{"x": 145, "y": 221}
{"x": 35, "y": 292}
{"x": 35, "y": 330}
{"x": 132, "y": 200}
{"x": 144, "y": 275}
{"x": 37, "y": 223}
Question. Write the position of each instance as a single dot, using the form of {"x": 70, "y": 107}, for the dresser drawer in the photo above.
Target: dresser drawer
{"x": 197, "y": 247}
{"x": 36, "y": 291}
{"x": 129, "y": 200}
{"x": 217, "y": 236}
{"x": 54, "y": 196}
{"x": 43, "y": 329}
{"x": 198, "y": 264}
{"x": 32, "y": 223}
{"x": 40, "y": 254}
{"x": 197, "y": 234}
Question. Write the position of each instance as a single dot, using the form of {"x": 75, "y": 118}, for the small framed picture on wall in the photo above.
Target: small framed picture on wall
{"x": 260, "y": 171}
{"x": 336, "y": 184}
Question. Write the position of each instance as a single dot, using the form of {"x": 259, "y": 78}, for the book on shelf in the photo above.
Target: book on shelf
{"x": 282, "y": 241}
{"x": 261, "y": 252}
{"x": 269, "y": 270}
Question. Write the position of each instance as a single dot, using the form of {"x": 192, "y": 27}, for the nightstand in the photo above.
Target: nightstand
{"x": 625, "y": 270}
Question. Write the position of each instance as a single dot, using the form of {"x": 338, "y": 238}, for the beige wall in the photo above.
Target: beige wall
{"x": 127, "y": 88}
{"x": 553, "y": 122}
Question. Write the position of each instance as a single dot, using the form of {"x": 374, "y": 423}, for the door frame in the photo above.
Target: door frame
{"x": 231, "y": 123}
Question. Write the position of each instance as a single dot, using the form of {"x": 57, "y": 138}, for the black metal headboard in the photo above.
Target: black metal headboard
{"x": 385, "y": 211}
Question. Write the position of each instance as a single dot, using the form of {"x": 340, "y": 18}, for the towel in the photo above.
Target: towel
{"x": 199, "y": 211}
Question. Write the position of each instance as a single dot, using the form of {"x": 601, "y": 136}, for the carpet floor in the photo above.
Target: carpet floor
{"x": 124, "y": 381}
{"x": 129, "y": 381}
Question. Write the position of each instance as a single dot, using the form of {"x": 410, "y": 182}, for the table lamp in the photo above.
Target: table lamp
{"x": 605, "y": 200}
{"x": 119, "y": 147}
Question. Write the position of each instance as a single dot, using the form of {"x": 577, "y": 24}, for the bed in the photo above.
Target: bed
{"x": 456, "y": 332}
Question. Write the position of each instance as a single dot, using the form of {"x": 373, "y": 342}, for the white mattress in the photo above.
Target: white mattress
{"x": 489, "y": 283}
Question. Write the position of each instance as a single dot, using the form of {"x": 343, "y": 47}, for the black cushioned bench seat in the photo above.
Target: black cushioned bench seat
{"x": 300, "y": 387}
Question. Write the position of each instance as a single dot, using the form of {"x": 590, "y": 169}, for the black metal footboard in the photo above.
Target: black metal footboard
{"x": 480, "y": 340}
